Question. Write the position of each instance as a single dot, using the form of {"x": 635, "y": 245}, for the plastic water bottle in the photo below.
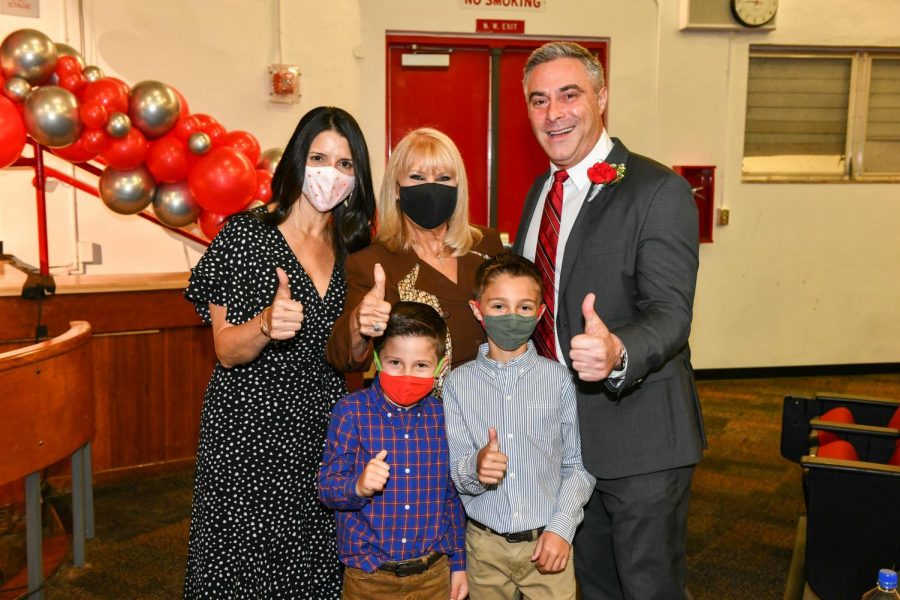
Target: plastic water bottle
{"x": 886, "y": 588}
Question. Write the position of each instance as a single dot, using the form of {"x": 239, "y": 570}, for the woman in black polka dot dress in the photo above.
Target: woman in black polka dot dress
{"x": 272, "y": 284}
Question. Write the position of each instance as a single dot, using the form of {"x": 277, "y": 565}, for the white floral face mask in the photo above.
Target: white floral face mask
{"x": 325, "y": 187}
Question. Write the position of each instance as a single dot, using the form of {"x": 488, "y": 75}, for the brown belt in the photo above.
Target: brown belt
{"x": 404, "y": 568}
{"x": 528, "y": 535}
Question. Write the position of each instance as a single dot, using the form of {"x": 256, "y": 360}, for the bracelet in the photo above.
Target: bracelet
{"x": 263, "y": 325}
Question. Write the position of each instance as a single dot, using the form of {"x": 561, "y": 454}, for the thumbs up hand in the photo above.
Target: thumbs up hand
{"x": 374, "y": 476}
{"x": 490, "y": 462}
{"x": 373, "y": 311}
{"x": 595, "y": 352}
{"x": 285, "y": 316}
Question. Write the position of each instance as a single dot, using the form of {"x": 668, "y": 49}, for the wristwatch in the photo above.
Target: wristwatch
{"x": 623, "y": 356}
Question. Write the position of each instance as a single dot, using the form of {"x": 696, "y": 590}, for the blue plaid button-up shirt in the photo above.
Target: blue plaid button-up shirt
{"x": 419, "y": 510}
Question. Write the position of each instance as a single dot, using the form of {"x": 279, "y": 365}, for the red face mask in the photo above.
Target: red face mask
{"x": 405, "y": 390}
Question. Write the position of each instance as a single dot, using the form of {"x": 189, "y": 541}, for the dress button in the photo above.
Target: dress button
{"x": 406, "y": 507}
{"x": 406, "y": 470}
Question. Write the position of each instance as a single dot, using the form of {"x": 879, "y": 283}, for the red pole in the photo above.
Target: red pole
{"x": 40, "y": 185}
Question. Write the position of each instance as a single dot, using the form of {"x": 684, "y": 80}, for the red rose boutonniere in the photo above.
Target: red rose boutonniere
{"x": 605, "y": 173}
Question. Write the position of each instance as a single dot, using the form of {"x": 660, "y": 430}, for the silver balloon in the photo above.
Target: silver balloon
{"x": 29, "y": 54}
{"x": 118, "y": 125}
{"x": 16, "y": 89}
{"x": 174, "y": 204}
{"x": 153, "y": 108}
{"x": 199, "y": 143}
{"x": 93, "y": 73}
{"x": 67, "y": 50}
{"x": 51, "y": 116}
{"x": 127, "y": 192}
{"x": 268, "y": 160}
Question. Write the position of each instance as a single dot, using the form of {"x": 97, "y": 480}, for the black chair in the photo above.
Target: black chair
{"x": 799, "y": 422}
{"x": 852, "y": 525}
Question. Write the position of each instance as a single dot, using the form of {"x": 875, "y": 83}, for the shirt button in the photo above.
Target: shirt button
{"x": 389, "y": 414}
{"x": 512, "y": 475}
{"x": 509, "y": 397}
{"x": 516, "y": 514}
{"x": 403, "y": 541}
{"x": 405, "y": 436}
{"x": 406, "y": 470}
{"x": 406, "y": 507}
{"x": 509, "y": 435}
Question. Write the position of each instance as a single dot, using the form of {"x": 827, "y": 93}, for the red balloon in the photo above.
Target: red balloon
{"x": 210, "y": 223}
{"x": 94, "y": 140}
{"x": 76, "y": 153}
{"x": 108, "y": 92}
{"x": 223, "y": 181}
{"x": 167, "y": 159}
{"x": 216, "y": 135}
{"x": 73, "y": 82}
{"x": 186, "y": 126}
{"x": 12, "y": 132}
{"x": 205, "y": 122}
{"x": 67, "y": 65}
{"x": 93, "y": 115}
{"x": 184, "y": 110}
{"x": 127, "y": 152}
{"x": 263, "y": 185}
{"x": 244, "y": 142}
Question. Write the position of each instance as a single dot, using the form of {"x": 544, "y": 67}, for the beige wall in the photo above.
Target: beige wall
{"x": 804, "y": 274}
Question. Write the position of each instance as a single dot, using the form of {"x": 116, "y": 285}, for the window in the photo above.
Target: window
{"x": 820, "y": 115}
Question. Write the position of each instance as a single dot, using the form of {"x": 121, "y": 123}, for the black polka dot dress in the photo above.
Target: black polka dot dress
{"x": 258, "y": 530}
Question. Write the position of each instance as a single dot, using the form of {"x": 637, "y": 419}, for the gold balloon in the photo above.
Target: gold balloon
{"x": 118, "y": 125}
{"x": 16, "y": 89}
{"x": 268, "y": 160}
{"x": 51, "y": 116}
{"x": 93, "y": 73}
{"x": 153, "y": 108}
{"x": 127, "y": 192}
{"x": 174, "y": 204}
{"x": 29, "y": 54}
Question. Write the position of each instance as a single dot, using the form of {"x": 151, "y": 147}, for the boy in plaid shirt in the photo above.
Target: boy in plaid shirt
{"x": 386, "y": 472}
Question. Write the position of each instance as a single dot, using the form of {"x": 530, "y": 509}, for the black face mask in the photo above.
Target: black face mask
{"x": 428, "y": 204}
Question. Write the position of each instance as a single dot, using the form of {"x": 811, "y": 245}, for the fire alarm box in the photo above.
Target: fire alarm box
{"x": 702, "y": 180}
{"x": 284, "y": 83}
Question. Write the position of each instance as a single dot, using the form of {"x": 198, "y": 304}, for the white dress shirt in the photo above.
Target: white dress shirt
{"x": 575, "y": 191}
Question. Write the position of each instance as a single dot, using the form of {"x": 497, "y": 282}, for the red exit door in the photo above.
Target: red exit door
{"x": 471, "y": 89}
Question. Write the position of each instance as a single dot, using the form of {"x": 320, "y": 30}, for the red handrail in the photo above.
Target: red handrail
{"x": 42, "y": 172}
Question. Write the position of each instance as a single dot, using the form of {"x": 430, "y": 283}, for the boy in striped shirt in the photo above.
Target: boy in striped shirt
{"x": 385, "y": 472}
{"x": 515, "y": 450}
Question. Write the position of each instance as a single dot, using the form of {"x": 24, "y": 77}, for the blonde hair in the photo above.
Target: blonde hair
{"x": 425, "y": 149}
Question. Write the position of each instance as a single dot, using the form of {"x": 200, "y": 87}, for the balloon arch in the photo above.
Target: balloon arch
{"x": 151, "y": 149}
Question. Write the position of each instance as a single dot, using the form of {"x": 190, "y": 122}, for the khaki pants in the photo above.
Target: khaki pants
{"x": 433, "y": 584}
{"x": 498, "y": 570}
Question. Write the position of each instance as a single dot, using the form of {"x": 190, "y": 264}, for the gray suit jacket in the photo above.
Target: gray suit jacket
{"x": 635, "y": 245}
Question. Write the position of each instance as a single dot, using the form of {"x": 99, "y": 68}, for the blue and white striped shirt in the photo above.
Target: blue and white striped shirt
{"x": 530, "y": 401}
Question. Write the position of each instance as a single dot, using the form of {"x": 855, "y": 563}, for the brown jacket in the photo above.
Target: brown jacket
{"x": 408, "y": 278}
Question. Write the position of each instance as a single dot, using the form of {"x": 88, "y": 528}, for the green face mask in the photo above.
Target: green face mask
{"x": 509, "y": 331}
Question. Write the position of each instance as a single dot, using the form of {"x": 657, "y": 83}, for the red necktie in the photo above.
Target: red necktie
{"x": 545, "y": 260}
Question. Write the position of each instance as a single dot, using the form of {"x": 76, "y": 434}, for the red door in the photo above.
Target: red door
{"x": 491, "y": 129}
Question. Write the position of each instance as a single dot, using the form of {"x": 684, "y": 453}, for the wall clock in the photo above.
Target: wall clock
{"x": 754, "y": 13}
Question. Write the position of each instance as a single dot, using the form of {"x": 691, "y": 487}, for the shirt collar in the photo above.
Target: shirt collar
{"x": 578, "y": 173}
{"x": 521, "y": 363}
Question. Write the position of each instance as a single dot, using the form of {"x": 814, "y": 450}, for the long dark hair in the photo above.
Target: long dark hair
{"x": 353, "y": 220}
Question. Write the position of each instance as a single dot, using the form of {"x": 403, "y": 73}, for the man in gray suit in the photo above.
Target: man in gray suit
{"x": 615, "y": 235}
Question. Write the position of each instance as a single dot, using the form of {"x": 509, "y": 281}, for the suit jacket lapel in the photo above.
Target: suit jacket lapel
{"x": 618, "y": 155}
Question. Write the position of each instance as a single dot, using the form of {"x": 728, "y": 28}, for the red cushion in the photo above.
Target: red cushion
{"x": 895, "y": 458}
{"x": 840, "y": 414}
{"x": 895, "y": 420}
{"x": 840, "y": 449}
